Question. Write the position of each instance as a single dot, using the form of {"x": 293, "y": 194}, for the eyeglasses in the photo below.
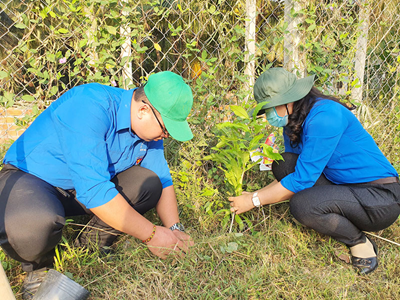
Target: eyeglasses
{"x": 165, "y": 133}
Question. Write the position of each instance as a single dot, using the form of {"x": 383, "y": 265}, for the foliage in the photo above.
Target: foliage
{"x": 236, "y": 140}
{"x": 51, "y": 46}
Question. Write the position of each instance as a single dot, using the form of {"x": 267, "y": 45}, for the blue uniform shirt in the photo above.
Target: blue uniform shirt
{"x": 334, "y": 142}
{"x": 83, "y": 140}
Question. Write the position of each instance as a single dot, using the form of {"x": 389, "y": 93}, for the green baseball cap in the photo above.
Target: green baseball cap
{"x": 278, "y": 87}
{"x": 173, "y": 99}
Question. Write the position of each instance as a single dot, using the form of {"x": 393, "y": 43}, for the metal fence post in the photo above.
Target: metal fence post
{"x": 251, "y": 6}
{"x": 126, "y": 50}
{"x": 292, "y": 57}
{"x": 361, "y": 51}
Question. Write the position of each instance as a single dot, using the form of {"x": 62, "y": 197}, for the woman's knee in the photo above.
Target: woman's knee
{"x": 300, "y": 210}
{"x": 284, "y": 167}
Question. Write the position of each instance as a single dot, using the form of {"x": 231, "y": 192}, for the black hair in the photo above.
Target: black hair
{"x": 301, "y": 109}
{"x": 139, "y": 95}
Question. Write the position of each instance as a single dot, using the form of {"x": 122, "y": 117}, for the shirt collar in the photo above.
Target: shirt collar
{"x": 124, "y": 111}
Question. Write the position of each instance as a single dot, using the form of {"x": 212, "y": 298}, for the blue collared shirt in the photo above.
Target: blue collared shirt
{"x": 82, "y": 140}
{"x": 334, "y": 143}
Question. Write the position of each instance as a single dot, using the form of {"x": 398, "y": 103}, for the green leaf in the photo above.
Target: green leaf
{"x": 63, "y": 30}
{"x": 112, "y": 30}
{"x": 28, "y": 98}
{"x": 54, "y": 90}
{"x": 3, "y": 74}
{"x": 268, "y": 151}
{"x": 241, "y": 225}
{"x": 8, "y": 96}
{"x": 255, "y": 141}
{"x": 311, "y": 27}
{"x": 142, "y": 49}
{"x": 355, "y": 81}
{"x": 35, "y": 110}
{"x": 157, "y": 47}
{"x": 258, "y": 107}
{"x": 208, "y": 192}
{"x": 232, "y": 246}
{"x": 220, "y": 144}
{"x": 69, "y": 275}
{"x": 82, "y": 43}
{"x": 51, "y": 57}
{"x": 239, "y": 111}
{"x": 20, "y": 25}
{"x": 212, "y": 9}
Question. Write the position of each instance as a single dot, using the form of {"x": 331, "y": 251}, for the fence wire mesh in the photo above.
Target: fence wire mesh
{"x": 219, "y": 47}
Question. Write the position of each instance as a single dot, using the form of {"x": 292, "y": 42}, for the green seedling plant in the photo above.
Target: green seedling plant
{"x": 237, "y": 139}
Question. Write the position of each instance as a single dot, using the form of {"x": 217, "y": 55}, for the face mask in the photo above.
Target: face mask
{"x": 274, "y": 119}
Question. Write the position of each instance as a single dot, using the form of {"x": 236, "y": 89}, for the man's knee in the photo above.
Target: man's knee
{"x": 151, "y": 189}
{"x": 33, "y": 236}
{"x": 141, "y": 187}
{"x": 152, "y": 184}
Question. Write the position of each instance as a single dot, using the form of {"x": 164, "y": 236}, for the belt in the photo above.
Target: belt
{"x": 384, "y": 180}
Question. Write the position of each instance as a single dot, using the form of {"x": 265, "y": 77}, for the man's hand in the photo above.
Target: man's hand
{"x": 185, "y": 238}
{"x": 242, "y": 203}
{"x": 166, "y": 242}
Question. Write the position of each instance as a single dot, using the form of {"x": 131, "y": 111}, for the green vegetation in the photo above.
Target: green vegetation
{"x": 51, "y": 46}
{"x": 279, "y": 260}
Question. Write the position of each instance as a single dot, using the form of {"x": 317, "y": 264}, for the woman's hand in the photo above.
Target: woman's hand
{"x": 242, "y": 203}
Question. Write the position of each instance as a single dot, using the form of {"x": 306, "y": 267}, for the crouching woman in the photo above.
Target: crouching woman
{"x": 338, "y": 181}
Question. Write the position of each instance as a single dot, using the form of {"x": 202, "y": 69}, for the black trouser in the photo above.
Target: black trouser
{"x": 342, "y": 211}
{"x": 32, "y": 212}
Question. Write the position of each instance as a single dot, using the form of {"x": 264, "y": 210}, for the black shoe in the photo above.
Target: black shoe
{"x": 32, "y": 282}
{"x": 366, "y": 265}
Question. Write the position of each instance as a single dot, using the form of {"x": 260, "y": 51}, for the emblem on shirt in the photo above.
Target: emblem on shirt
{"x": 139, "y": 160}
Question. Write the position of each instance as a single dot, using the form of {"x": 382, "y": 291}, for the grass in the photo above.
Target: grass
{"x": 279, "y": 259}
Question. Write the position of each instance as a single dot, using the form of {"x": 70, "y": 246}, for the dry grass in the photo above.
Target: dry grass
{"x": 279, "y": 260}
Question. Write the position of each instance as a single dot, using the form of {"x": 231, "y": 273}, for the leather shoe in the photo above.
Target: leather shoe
{"x": 366, "y": 265}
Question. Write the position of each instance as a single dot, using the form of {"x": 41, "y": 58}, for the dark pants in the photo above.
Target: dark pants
{"x": 342, "y": 211}
{"x": 32, "y": 212}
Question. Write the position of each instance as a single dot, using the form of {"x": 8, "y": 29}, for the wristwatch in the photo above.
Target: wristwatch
{"x": 178, "y": 226}
{"x": 256, "y": 200}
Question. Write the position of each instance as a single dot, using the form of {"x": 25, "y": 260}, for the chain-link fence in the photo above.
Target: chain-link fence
{"x": 218, "y": 46}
